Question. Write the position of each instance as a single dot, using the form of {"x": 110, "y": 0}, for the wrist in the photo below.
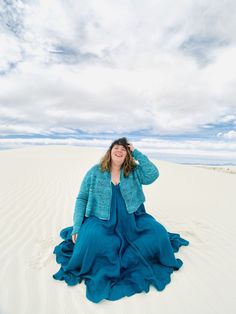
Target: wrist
{"x": 134, "y": 151}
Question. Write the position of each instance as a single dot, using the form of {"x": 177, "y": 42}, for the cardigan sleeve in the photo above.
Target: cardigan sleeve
{"x": 146, "y": 171}
{"x": 81, "y": 203}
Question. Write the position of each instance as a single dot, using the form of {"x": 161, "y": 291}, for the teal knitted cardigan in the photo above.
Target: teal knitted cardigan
{"x": 94, "y": 197}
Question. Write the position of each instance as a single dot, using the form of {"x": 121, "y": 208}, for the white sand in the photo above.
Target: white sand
{"x": 38, "y": 187}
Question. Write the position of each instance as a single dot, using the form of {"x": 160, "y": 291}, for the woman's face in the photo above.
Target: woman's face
{"x": 118, "y": 154}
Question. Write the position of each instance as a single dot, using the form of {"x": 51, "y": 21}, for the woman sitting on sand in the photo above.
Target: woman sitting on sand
{"x": 115, "y": 245}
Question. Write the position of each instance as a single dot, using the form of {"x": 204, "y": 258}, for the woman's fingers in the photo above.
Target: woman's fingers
{"x": 131, "y": 146}
{"x": 74, "y": 237}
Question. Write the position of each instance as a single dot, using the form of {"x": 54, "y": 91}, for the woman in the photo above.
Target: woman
{"x": 115, "y": 245}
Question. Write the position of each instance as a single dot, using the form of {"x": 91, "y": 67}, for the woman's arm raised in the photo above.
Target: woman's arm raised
{"x": 146, "y": 170}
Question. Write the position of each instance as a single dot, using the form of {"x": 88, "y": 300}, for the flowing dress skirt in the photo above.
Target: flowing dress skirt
{"x": 121, "y": 256}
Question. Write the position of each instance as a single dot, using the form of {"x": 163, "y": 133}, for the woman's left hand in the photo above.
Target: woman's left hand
{"x": 131, "y": 147}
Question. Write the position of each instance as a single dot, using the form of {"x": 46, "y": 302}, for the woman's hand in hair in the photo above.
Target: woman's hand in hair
{"x": 74, "y": 237}
{"x": 131, "y": 147}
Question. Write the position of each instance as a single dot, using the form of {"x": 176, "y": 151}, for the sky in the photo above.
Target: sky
{"x": 162, "y": 73}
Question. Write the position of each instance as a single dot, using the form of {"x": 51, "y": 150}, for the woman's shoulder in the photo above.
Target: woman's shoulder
{"x": 94, "y": 169}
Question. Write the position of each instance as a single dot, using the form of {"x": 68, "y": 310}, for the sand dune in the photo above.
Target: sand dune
{"x": 38, "y": 186}
{"x": 225, "y": 169}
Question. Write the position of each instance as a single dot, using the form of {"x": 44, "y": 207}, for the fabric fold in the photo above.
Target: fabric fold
{"x": 121, "y": 256}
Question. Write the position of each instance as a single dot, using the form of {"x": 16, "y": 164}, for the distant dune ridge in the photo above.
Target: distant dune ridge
{"x": 38, "y": 187}
{"x": 226, "y": 169}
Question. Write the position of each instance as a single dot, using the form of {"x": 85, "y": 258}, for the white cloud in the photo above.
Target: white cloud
{"x": 231, "y": 135}
{"x": 121, "y": 66}
{"x": 10, "y": 51}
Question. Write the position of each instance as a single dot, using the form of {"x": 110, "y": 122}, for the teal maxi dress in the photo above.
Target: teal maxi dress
{"x": 120, "y": 256}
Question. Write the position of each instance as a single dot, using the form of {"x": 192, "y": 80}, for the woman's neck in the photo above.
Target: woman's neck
{"x": 115, "y": 168}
